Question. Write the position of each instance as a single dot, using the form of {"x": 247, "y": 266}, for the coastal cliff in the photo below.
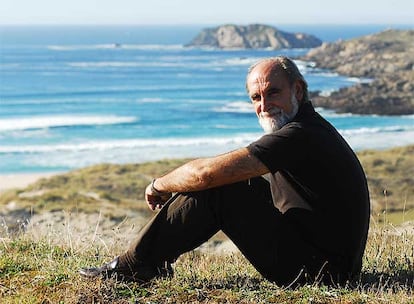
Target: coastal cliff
{"x": 387, "y": 58}
{"x": 253, "y": 36}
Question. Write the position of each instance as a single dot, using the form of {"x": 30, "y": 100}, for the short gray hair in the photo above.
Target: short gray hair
{"x": 289, "y": 67}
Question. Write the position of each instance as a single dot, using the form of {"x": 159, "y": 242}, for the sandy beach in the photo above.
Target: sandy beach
{"x": 21, "y": 180}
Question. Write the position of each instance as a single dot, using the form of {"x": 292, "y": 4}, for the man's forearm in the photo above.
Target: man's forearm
{"x": 183, "y": 179}
{"x": 205, "y": 173}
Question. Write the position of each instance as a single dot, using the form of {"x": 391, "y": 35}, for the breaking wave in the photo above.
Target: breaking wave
{"x": 42, "y": 122}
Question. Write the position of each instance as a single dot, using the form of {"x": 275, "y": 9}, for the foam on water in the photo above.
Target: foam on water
{"x": 238, "y": 61}
{"x": 331, "y": 114}
{"x": 366, "y": 130}
{"x": 236, "y": 107}
{"x": 61, "y": 157}
{"x": 42, "y": 122}
{"x": 382, "y": 140}
{"x": 164, "y": 143}
{"x": 152, "y": 100}
{"x": 357, "y": 136}
{"x": 52, "y": 157}
{"x": 115, "y": 46}
{"x": 181, "y": 62}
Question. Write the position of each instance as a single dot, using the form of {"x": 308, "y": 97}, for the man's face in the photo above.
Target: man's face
{"x": 274, "y": 99}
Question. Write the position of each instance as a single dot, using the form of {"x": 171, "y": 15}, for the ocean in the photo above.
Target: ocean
{"x": 74, "y": 96}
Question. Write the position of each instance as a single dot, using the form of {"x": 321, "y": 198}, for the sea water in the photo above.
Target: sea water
{"x": 76, "y": 96}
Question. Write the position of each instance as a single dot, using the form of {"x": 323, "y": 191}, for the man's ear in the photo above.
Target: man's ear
{"x": 298, "y": 87}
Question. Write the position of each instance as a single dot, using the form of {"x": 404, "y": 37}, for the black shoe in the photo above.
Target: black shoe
{"x": 141, "y": 273}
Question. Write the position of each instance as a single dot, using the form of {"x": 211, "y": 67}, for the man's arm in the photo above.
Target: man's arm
{"x": 205, "y": 173}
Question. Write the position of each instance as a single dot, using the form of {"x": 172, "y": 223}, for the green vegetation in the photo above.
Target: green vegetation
{"x": 112, "y": 189}
{"x": 44, "y": 269}
{"x": 46, "y": 272}
{"x": 390, "y": 175}
{"x": 102, "y": 187}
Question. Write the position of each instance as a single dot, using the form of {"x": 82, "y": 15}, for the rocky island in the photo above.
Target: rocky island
{"x": 253, "y": 36}
{"x": 387, "y": 58}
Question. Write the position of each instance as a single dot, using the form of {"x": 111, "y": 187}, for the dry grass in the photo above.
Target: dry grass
{"x": 42, "y": 268}
{"x": 104, "y": 185}
{"x": 111, "y": 188}
{"x": 390, "y": 175}
{"x": 45, "y": 271}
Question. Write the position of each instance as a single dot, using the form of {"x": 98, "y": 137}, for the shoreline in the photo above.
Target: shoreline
{"x": 21, "y": 180}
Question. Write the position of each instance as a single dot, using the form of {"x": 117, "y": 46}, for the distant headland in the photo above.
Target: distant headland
{"x": 386, "y": 57}
{"x": 253, "y": 36}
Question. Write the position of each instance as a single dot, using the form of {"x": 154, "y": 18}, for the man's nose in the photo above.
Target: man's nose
{"x": 264, "y": 105}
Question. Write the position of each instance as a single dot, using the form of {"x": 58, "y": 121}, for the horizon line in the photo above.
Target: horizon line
{"x": 209, "y": 24}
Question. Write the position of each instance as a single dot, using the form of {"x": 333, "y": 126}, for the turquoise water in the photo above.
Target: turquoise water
{"x": 76, "y": 96}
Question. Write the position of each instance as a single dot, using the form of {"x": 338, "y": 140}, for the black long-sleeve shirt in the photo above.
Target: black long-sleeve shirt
{"x": 312, "y": 163}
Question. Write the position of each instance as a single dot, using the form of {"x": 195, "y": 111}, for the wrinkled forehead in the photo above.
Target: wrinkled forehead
{"x": 266, "y": 72}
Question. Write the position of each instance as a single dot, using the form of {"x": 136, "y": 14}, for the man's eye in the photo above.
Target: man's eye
{"x": 255, "y": 97}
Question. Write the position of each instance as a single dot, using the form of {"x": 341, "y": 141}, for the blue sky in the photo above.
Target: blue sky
{"x": 206, "y": 12}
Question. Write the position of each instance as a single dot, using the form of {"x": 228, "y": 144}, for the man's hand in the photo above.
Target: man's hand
{"x": 155, "y": 200}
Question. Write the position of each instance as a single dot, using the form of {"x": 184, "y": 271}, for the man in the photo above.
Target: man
{"x": 308, "y": 222}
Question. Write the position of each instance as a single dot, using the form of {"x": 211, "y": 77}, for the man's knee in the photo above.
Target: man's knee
{"x": 189, "y": 206}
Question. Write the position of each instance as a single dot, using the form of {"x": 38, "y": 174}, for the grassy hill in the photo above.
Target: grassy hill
{"x": 43, "y": 269}
{"x": 113, "y": 190}
{"x": 390, "y": 175}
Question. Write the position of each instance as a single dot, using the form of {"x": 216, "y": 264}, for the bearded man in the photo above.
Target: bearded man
{"x": 295, "y": 202}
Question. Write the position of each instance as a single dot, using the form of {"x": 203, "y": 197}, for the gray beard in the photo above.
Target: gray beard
{"x": 277, "y": 121}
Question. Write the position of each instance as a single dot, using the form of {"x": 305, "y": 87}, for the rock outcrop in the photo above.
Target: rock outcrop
{"x": 252, "y": 36}
{"x": 387, "y": 58}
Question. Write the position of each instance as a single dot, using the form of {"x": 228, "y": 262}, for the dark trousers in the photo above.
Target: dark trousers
{"x": 273, "y": 242}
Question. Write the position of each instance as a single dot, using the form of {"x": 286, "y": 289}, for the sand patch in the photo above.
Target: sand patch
{"x": 10, "y": 181}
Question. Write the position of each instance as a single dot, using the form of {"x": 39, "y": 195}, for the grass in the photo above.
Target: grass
{"x": 81, "y": 190}
{"x": 44, "y": 270}
{"x": 120, "y": 188}
{"x": 390, "y": 175}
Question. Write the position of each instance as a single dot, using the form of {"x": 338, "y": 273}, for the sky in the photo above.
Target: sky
{"x": 176, "y": 12}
